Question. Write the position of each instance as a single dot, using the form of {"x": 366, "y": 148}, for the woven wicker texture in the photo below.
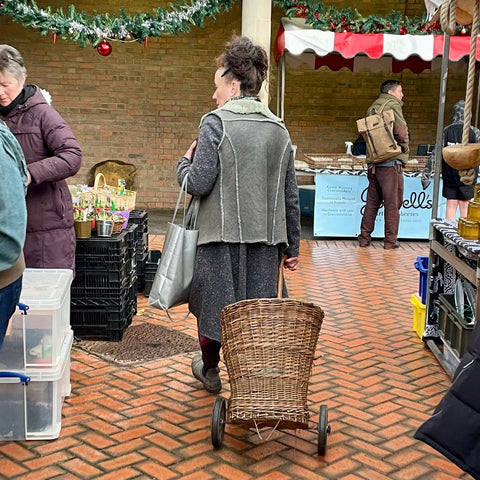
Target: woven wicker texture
{"x": 103, "y": 195}
{"x": 118, "y": 226}
{"x": 347, "y": 162}
{"x": 268, "y": 347}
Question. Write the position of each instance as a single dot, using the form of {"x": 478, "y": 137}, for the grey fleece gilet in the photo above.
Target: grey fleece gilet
{"x": 247, "y": 203}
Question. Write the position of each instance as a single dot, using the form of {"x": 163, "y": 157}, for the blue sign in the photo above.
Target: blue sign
{"x": 340, "y": 202}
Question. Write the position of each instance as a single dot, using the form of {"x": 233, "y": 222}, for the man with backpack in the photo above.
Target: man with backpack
{"x": 385, "y": 179}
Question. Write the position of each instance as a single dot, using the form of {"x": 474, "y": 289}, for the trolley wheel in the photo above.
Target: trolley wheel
{"x": 217, "y": 425}
{"x": 323, "y": 429}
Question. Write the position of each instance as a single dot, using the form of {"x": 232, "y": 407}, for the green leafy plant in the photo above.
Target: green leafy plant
{"x": 83, "y": 214}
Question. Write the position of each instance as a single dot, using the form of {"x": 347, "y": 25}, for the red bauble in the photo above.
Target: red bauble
{"x": 104, "y": 48}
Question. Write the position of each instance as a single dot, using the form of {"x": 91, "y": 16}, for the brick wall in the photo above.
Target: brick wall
{"x": 143, "y": 104}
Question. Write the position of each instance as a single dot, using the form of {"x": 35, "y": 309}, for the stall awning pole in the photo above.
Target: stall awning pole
{"x": 440, "y": 122}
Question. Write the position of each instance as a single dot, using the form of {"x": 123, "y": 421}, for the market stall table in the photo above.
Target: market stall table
{"x": 341, "y": 192}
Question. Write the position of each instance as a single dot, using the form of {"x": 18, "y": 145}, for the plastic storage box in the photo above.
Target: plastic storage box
{"x": 32, "y": 400}
{"x": 418, "y": 315}
{"x": 452, "y": 328}
{"x": 35, "y": 340}
{"x": 422, "y": 266}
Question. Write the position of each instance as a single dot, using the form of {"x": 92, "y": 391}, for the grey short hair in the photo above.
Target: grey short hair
{"x": 11, "y": 62}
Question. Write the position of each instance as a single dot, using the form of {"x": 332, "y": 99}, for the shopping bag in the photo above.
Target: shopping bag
{"x": 173, "y": 278}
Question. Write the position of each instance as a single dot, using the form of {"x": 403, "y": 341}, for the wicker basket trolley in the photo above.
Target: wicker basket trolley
{"x": 268, "y": 348}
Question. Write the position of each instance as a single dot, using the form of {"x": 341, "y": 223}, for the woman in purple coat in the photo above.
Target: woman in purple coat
{"x": 52, "y": 155}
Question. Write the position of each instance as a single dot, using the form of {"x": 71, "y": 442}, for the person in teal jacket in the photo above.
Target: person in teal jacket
{"x": 13, "y": 224}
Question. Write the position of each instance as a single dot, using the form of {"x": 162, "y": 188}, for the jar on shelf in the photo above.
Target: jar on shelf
{"x": 474, "y": 210}
{"x": 476, "y": 192}
{"x": 468, "y": 229}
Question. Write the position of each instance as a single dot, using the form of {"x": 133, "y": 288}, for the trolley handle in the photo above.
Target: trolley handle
{"x": 20, "y": 376}
{"x": 23, "y": 307}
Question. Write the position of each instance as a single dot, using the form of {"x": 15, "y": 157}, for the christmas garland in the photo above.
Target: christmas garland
{"x": 84, "y": 29}
{"x": 96, "y": 29}
{"x": 350, "y": 20}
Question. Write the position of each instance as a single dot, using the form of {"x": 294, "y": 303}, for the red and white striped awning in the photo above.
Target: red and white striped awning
{"x": 339, "y": 50}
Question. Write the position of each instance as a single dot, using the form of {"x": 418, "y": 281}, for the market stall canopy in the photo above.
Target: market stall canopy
{"x": 336, "y": 50}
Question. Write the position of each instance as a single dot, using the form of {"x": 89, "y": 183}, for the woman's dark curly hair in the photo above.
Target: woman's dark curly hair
{"x": 245, "y": 62}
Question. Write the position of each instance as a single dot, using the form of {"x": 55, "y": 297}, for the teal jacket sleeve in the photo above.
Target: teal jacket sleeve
{"x": 13, "y": 211}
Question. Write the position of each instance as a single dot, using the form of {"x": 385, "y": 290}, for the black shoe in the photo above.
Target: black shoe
{"x": 210, "y": 378}
{"x": 363, "y": 245}
{"x": 389, "y": 246}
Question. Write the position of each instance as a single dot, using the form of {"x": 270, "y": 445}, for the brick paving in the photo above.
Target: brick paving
{"x": 379, "y": 382}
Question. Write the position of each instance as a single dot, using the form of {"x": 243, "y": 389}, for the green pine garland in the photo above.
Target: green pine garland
{"x": 91, "y": 29}
{"x": 349, "y": 20}
{"x": 84, "y": 29}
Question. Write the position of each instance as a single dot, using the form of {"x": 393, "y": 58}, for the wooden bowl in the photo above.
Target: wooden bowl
{"x": 464, "y": 12}
{"x": 462, "y": 157}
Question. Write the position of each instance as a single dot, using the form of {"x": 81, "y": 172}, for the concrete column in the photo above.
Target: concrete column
{"x": 256, "y": 25}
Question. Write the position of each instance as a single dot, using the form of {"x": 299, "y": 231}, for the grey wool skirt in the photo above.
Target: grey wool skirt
{"x": 226, "y": 273}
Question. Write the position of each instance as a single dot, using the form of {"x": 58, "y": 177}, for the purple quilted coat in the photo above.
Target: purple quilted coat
{"x": 52, "y": 155}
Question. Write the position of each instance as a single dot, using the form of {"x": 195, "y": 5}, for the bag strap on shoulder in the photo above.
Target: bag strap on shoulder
{"x": 379, "y": 112}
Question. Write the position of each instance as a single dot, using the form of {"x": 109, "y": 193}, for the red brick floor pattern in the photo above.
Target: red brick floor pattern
{"x": 371, "y": 370}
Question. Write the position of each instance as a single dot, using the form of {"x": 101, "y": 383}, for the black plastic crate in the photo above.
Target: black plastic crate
{"x": 452, "y": 327}
{"x": 141, "y": 248}
{"x": 140, "y": 218}
{"x": 133, "y": 289}
{"x": 148, "y": 282}
{"x": 131, "y": 238}
{"x": 141, "y": 260}
{"x": 150, "y": 269}
{"x": 78, "y": 303}
{"x": 141, "y": 284}
{"x": 85, "y": 262}
{"x": 96, "y": 321}
{"x": 109, "y": 247}
{"x": 114, "y": 290}
{"x": 100, "y": 278}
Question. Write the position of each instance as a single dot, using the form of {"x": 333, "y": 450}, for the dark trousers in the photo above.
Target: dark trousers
{"x": 9, "y": 297}
{"x": 385, "y": 185}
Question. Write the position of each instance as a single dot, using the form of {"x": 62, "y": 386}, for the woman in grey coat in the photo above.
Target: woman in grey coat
{"x": 52, "y": 155}
{"x": 242, "y": 168}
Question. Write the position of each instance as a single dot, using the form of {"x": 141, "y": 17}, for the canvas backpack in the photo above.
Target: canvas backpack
{"x": 377, "y": 130}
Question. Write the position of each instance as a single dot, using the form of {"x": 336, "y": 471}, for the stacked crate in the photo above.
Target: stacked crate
{"x": 140, "y": 219}
{"x": 35, "y": 358}
{"x": 151, "y": 265}
{"x": 104, "y": 289}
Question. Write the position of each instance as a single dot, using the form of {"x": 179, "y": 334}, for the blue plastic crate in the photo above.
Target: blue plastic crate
{"x": 422, "y": 266}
